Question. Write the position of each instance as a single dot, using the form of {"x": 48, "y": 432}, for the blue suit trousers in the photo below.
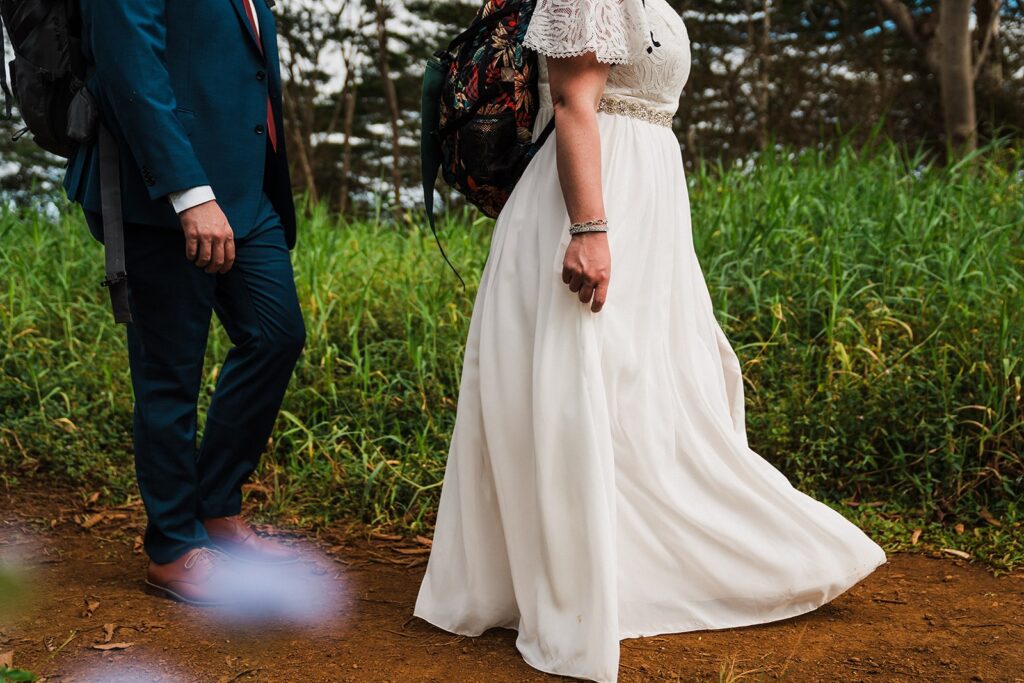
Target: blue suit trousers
{"x": 172, "y": 303}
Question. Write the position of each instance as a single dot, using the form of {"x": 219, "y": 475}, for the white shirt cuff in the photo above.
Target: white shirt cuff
{"x": 183, "y": 201}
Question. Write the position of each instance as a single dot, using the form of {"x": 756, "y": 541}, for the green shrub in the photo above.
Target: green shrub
{"x": 877, "y": 305}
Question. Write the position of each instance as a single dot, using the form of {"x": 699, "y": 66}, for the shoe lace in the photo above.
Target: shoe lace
{"x": 204, "y": 557}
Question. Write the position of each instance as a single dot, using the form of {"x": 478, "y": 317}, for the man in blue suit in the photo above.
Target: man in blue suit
{"x": 191, "y": 92}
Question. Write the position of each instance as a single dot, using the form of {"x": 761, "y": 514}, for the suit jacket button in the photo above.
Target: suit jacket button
{"x": 261, "y": 75}
{"x": 259, "y": 130}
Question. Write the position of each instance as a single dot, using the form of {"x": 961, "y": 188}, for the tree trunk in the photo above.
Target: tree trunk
{"x": 756, "y": 53}
{"x": 764, "y": 67}
{"x": 346, "y": 154}
{"x": 956, "y": 74}
{"x": 301, "y": 141}
{"x": 384, "y": 66}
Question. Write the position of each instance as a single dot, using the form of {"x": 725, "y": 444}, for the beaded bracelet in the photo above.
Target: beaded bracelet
{"x": 597, "y": 225}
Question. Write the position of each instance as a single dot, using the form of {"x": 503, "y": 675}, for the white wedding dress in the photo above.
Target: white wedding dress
{"x": 599, "y": 484}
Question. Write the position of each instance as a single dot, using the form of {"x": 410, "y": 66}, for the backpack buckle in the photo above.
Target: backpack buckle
{"x": 115, "y": 279}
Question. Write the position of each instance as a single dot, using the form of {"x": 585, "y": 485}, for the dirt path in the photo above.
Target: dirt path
{"x": 915, "y": 619}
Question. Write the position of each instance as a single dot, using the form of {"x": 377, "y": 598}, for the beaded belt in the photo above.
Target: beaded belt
{"x": 635, "y": 110}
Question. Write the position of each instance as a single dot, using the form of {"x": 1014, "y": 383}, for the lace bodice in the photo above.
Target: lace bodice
{"x": 645, "y": 41}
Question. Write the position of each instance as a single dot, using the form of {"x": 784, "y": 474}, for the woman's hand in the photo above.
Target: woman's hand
{"x": 587, "y": 268}
{"x": 577, "y": 84}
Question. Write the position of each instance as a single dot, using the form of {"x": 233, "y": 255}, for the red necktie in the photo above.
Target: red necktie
{"x": 271, "y": 126}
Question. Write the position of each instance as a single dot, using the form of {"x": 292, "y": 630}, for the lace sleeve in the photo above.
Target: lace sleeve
{"x": 616, "y": 31}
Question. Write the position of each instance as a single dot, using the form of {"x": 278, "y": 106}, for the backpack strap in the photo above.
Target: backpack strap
{"x": 430, "y": 146}
{"x": 113, "y": 226}
{"x": 8, "y": 97}
{"x": 477, "y": 26}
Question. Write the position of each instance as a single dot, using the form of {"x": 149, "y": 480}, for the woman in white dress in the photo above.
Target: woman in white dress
{"x": 599, "y": 484}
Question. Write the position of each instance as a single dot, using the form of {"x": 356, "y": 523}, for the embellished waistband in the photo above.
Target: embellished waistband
{"x": 635, "y": 110}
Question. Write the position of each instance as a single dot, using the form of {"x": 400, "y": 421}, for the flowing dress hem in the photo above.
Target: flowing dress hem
{"x": 796, "y": 610}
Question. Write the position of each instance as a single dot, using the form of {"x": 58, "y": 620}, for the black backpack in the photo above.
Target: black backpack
{"x": 48, "y": 76}
{"x": 48, "y": 73}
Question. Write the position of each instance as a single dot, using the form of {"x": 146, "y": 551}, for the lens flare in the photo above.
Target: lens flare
{"x": 14, "y": 578}
{"x": 307, "y": 592}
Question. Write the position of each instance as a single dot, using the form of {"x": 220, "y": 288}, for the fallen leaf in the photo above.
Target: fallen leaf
{"x": 915, "y": 537}
{"x": 106, "y": 647}
{"x": 92, "y": 520}
{"x": 91, "y": 500}
{"x": 108, "y": 632}
{"x": 957, "y": 553}
{"x": 91, "y": 606}
{"x": 413, "y": 551}
{"x": 137, "y": 545}
{"x": 385, "y": 537}
{"x": 423, "y": 540}
{"x": 959, "y": 529}
{"x": 987, "y": 516}
{"x": 66, "y": 424}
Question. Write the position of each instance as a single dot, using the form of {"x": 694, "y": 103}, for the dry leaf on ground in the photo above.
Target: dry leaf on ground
{"x": 987, "y": 516}
{"x": 106, "y": 647}
{"x": 91, "y": 605}
{"x": 89, "y": 521}
{"x": 100, "y": 517}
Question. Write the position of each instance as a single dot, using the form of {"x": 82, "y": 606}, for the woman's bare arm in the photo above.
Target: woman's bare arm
{"x": 577, "y": 84}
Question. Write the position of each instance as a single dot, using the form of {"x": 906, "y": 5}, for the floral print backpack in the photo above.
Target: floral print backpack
{"x": 480, "y": 102}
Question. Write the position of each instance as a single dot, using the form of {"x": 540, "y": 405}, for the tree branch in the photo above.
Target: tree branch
{"x": 904, "y": 20}
{"x": 924, "y": 43}
{"x": 989, "y": 36}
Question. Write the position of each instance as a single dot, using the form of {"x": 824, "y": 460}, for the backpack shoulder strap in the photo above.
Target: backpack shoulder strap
{"x": 8, "y": 97}
{"x": 481, "y": 24}
{"x": 113, "y": 226}
{"x": 430, "y": 148}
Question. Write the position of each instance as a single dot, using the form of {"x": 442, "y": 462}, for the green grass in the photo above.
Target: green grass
{"x": 877, "y": 305}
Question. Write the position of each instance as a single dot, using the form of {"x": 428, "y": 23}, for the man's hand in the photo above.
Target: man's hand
{"x": 587, "y": 268}
{"x": 209, "y": 239}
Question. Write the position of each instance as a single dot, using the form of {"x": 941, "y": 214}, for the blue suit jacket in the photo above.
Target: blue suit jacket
{"x": 183, "y": 86}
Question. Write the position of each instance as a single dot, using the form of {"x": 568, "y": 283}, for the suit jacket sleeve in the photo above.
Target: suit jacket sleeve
{"x": 129, "y": 39}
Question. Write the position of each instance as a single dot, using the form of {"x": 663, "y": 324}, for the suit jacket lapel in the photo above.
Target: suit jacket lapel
{"x": 244, "y": 18}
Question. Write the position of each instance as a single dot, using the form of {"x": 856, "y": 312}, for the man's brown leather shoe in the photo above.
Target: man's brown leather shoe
{"x": 232, "y": 536}
{"x": 192, "y": 578}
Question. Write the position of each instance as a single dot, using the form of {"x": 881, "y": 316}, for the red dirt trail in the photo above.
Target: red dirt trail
{"x": 915, "y": 619}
